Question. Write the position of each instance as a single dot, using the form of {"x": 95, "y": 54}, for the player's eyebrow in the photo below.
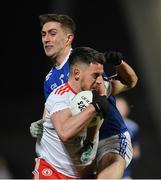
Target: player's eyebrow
{"x": 50, "y": 30}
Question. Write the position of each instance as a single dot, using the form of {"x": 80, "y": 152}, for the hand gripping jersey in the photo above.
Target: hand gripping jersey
{"x": 64, "y": 157}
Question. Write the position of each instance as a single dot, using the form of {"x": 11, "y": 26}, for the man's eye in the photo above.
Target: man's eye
{"x": 43, "y": 34}
{"x": 52, "y": 33}
{"x": 95, "y": 76}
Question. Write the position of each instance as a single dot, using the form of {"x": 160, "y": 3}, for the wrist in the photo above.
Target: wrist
{"x": 119, "y": 63}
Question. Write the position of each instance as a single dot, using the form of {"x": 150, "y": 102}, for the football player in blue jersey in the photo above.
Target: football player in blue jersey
{"x": 114, "y": 152}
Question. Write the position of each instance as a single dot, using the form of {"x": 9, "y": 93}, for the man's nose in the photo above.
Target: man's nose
{"x": 99, "y": 80}
{"x": 46, "y": 38}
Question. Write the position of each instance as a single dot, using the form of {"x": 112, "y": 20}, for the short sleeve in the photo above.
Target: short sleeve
{"x": 56, "y": 103}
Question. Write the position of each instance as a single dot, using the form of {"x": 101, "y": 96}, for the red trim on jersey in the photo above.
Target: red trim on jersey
{"x": 71, "y": 89}
{"x": 64, "y": 88}
{"x": 60, "y": 89}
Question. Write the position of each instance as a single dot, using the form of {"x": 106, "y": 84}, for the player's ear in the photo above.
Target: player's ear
{"x": 70, "y": 37}
{"x": 76, "y": 73}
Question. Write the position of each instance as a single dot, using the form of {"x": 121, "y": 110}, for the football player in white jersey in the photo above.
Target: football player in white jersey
{"x": 60, "y": 148}
{"x": 57, "y": 36}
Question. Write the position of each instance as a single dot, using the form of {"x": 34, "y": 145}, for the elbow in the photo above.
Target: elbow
{"x": 64, "y": 137}
{"x": 134, "y": 80}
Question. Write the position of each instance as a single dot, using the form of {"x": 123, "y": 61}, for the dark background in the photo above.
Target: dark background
{"x": 101, "y": 25}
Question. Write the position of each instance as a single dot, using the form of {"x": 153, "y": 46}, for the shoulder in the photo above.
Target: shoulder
{"x": 59, "y": 99}
{"x": 59, "y": 93}
{"x": 59, "y": 96}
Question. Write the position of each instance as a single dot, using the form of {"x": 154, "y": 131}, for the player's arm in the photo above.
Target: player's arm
{"x": 67, "y": 126}
{"x": 126, "y": 76}
{"x": 126, "y": 79}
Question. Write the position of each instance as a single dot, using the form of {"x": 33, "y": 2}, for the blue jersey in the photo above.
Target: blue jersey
{"x": 113, "y": 123}
{"x": 56, "y": 77}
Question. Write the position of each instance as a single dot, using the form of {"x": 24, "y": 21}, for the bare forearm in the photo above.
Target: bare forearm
{"x": 73, "y": 125}
{"x": 80, "y": 121}
{"x": 127, "y": 75}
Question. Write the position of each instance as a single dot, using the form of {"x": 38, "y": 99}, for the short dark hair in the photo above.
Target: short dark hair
{"x": 64, "y": 20}
{"x": 86, "y": 55}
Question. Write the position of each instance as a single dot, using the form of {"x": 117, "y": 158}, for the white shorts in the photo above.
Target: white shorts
{"x": 120, "y": 144}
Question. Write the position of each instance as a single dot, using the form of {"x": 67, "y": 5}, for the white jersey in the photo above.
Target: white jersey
{"x": 64, "y": 157}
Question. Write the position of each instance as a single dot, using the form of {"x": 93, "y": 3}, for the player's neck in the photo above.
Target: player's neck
{"x": 62, "y": 56}
{"x": 75, "y": 85}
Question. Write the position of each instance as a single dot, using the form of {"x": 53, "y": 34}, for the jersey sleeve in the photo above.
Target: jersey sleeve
{"x": 56, "y": 103}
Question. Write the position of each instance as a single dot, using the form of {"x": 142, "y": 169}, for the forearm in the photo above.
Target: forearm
{"x": 126, "y": 75}
{"x": 80, "y": 121}
{"x": 73, "y": 125}
{"x": 126, "y": 79}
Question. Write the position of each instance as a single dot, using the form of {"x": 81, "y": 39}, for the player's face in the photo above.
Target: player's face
{"x": 54, "y": 39}
{"x": 99, "y": 86}
{"x": 91, "y": 76}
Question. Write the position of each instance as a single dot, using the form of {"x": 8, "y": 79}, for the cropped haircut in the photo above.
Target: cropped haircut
{"x": 85, "y": 55}
{"x": 64, "y": 20}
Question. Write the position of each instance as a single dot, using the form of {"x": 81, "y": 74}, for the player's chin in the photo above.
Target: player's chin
{"x": 49, "y": 53}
